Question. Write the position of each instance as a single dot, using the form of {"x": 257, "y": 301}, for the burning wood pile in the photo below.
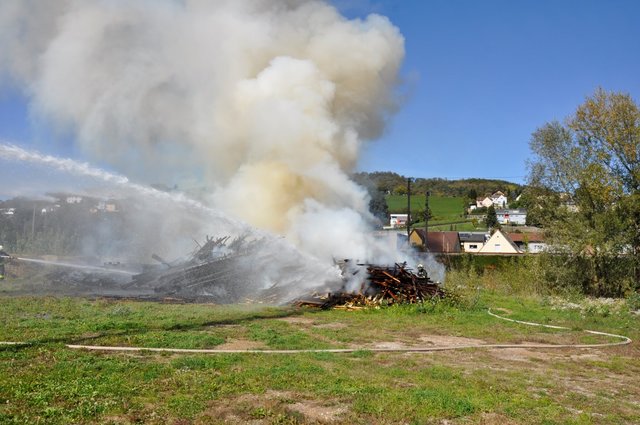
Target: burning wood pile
{"x": 383, "y": 286}
{"x": 229, "y": 270}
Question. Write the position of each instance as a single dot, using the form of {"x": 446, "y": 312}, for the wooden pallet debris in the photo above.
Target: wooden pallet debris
{"x": 384, "y": 286}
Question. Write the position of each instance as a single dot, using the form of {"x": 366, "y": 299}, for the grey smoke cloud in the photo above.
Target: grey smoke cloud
{"x": 270, "y": 102}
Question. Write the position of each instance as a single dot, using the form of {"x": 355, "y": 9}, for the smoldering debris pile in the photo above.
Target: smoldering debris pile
{"x": 383, "y": 286}
{"x": 216, "y": 271}
{"x": 222, "y": 271}
{"x": 225, "y": 270}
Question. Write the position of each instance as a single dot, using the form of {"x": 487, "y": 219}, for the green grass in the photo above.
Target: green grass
{"x": 442, "y": 208}
{"x": 50, "y": 384}
{"x": 447, "y": 211}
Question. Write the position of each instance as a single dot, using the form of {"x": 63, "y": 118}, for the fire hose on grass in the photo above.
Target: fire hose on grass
{"x": 624, "y": 341}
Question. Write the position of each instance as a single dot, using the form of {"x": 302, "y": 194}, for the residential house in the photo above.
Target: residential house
{"x": 73, "y": 199}
{"x": 499, "y": 200}
{"x": 472, "y": 241}
{"x": 506, "y": 216}
{"x": 484, "y": 202}
{"x": 499, "y": 243}
{"x": 398, "y": 220}
{"x": 437, "y": 242}
{"x": 529, "y": 242}
{"x": 107, "y": 206}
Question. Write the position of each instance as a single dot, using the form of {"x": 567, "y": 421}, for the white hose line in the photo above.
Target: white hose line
{"x": 625, "y": 341}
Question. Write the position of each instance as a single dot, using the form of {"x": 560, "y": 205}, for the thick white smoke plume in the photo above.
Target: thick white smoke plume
{"x": 268, "y": 101}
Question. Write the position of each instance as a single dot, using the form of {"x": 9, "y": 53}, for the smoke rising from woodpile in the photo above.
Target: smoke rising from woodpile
{"x": 268, "y": 103}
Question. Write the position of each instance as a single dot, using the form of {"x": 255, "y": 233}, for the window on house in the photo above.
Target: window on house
{"x": 473, "y": 246}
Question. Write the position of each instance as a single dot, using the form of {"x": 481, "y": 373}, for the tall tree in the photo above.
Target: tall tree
{"x": 378, "y": 205}
{"x": 585, "y": 182}
{"x": 492, "y": 218}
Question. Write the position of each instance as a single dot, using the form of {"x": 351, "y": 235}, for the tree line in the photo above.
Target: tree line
{"x": 396, "y": 184}
{"x": 584, "y": 188}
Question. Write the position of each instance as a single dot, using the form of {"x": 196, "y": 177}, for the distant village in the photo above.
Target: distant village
{"x": 519, "y": 240}
{"x": 91, "y": 204}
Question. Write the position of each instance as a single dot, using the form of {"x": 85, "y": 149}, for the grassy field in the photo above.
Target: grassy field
{"x": 443, "y": 208}
{"x": 45, "y": 382}
{"x": 446, "y": 211}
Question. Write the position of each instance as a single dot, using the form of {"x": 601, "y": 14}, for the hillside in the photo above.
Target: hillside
{"x": 393, "y": 183}
{"x": 442, "y": 208}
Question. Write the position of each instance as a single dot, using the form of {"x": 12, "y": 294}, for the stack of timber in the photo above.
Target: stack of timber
{"x": 383, "y": 286}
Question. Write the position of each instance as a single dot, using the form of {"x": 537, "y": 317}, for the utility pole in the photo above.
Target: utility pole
{"x": 409, "y": 211}
{"x": 426, "y": 219}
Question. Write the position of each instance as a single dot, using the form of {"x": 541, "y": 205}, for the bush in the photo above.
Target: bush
{"x": 510, "y": 275}
{"x": 595, "y": 275}
{"x": 633, "y": 301}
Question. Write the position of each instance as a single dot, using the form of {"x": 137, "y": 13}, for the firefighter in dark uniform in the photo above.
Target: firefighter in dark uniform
{"x": 422, "y": 273}
{"x": 3, "y": 257}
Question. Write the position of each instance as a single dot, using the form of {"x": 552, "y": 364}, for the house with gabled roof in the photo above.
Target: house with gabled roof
{"x": 499, "y": 199}
{"x": 499, "y": 243}
{"x": 484, "y": 202}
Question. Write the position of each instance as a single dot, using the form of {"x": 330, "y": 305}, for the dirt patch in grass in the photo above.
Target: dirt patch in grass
{"x": 115, "y": 420}
{"x": 334, "y": 326}
{"x": 388, "y": 345}
{"x": 495, "y": 419}
{"x": 522, "y": 354}
{"x": 315, "y": 412}
{"x": 427, "y": 341}
{"x": 587, "y": 355}
{"x": 296, "y": 320}
{"x": 446, "y": 340}
{"x": 273, "y": 407}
